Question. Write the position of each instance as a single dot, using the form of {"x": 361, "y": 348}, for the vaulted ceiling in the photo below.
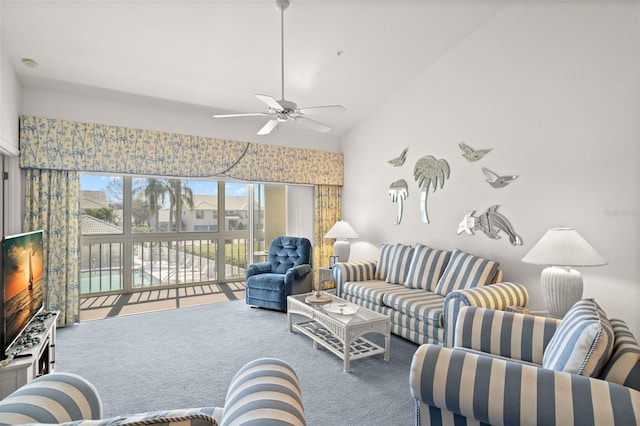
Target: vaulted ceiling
{"x": 218, "y": 54}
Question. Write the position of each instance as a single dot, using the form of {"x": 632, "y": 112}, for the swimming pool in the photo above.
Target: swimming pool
{"x": 112, "y": 280}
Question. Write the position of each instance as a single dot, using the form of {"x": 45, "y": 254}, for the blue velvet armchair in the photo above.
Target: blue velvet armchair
{"x": 287, "y": 271}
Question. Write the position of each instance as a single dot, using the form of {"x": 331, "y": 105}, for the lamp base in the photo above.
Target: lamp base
{"x": 342, "y": 248}
{"x": 561, "y": 289}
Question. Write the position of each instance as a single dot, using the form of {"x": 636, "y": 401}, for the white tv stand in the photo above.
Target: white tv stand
{"x": 30, "y": 359}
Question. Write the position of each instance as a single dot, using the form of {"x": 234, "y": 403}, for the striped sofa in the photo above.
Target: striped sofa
{"x": 264, "y": 391}
{"x": 422, "y": 289}
{"x": 495, "y": 374}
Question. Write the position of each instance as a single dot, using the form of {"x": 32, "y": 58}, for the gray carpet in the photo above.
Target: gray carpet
{"x": 186, "y": 358}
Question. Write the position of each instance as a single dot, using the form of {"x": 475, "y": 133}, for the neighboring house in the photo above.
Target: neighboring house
{"x": 97, "y": 199}
{"x": 204, "y": 215}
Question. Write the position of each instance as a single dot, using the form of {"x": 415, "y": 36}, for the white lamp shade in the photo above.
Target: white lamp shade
{"x": 341, "y": 229}
{"x": 563, "y": 247}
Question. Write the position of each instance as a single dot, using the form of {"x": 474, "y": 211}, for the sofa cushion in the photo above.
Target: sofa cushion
{"x": 413, "y": 329}
{"x": 624, "y": 366}
{"x": 399, "y": 266}
{"x": 384, "y": 261}
{"x": 582, "y": 343}
{"x": 426, "y": 267}
{"x": 465, "y": 270}
{"x": 371, "y": 291}
{"x": 423, "y": 305}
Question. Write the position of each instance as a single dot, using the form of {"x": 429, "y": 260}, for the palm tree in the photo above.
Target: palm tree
{"x": 428, "y": 170}
{"x": 157, "y": 191}
{"x": 154, "y": 192}
{"x": 179, "y": 190}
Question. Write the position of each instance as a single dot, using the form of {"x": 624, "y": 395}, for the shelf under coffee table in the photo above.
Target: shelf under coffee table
{"x": 335, "y": 332}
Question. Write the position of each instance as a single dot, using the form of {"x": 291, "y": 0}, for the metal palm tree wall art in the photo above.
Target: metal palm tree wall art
{"x": 429, "y": 172}
{"x": 399, "y": 191}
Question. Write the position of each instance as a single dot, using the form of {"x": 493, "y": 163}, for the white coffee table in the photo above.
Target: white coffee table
{"x": 336, "y": 332}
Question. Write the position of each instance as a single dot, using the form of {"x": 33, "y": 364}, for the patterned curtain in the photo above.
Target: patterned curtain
{"x": 52, "y": 204}
{"x": 52, "y": 144}
{"x": 327, "y": 211}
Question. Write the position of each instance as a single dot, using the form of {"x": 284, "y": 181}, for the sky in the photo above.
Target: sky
{"x": 199, "y": 187}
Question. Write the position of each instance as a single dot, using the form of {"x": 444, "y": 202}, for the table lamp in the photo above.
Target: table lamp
{"x": 561, "y": 248}
{"x": 341, "y": 230}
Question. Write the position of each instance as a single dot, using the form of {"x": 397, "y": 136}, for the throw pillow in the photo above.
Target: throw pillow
{"x": 582, "y": 343}
{"x": 464, "y": 271}
{"x": 384, "y": 261}
{"x": 399, "y": 266}
{"x": 624, "y": 366}
{"x": 426, "y": 267}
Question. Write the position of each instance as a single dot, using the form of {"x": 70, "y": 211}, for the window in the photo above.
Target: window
{"x": 101, "y": 204}
{"x": 151, "y": 232}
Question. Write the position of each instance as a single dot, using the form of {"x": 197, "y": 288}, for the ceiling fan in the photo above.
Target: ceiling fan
{"x": 283, "y": 110}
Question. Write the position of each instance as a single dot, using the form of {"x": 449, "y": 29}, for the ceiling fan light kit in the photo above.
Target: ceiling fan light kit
{"x": 283, "y": 110}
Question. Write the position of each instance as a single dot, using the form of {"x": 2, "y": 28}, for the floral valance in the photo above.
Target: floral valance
{"x": 53, "y": 144}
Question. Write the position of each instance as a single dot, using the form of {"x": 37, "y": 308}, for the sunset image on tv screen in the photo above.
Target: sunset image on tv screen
{"x": 22, "y": 263}
{"x": 23, "y": 290}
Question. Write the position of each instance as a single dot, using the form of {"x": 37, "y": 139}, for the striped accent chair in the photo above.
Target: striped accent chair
{"x": 265, "y": 391}
{"x": 494, "y": 375}
{"x": 422, "y": 289}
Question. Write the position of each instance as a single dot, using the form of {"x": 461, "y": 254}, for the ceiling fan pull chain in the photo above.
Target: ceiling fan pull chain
{"x": 282, "y": 8}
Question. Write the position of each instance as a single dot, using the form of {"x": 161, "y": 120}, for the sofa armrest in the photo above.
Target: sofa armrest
{"x": 258, "y": 268}
{"x": 495, "y": 296}
{"x": 206, "y": 416}
{"x": 353, "y": 271}
{"x": 453, "y": 383}
{"x": 264, "y": 391}
{"x": 508, "y": 334}
{"x": 52, "y": 398}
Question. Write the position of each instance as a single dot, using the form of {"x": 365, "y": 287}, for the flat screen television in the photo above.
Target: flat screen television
{"x": 22, "y": 284}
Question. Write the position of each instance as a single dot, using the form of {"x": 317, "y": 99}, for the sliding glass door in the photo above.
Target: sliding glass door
{"x": 153, "y": 232}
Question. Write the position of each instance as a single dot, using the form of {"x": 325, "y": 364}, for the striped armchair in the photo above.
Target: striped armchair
{"x": 264, "y": 391}
{"x": 494, "y": 375}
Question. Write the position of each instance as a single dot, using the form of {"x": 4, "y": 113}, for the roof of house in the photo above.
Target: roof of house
{"x": 93, "y": 225}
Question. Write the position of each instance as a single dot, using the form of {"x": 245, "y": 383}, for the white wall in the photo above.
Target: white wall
{"x": 104, "y": 107}
{"x": 554, "y": 90}
{"x": 9, "y": 137}
{"x": 9, "y": 105}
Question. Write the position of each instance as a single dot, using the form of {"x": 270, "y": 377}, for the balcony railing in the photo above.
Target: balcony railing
{"x": 159, "y": 263}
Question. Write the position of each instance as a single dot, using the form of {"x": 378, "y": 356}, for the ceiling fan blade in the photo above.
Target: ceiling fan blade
{"x": 250, "y": 114}
{"x": 267, "y": 128}
{"x": 314, "y": 109}
{"x": 318, "y": 127}
{"x": 271, "y": 103}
